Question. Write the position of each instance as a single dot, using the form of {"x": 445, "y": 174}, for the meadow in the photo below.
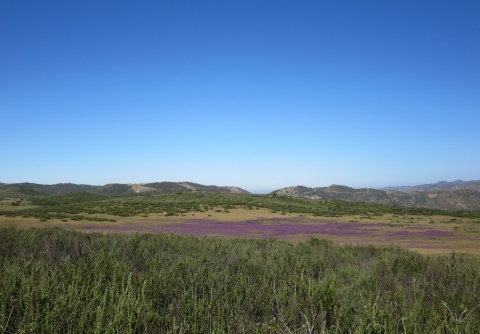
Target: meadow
{"x": 234, "y": 263}
{"x": 253, "y": 216}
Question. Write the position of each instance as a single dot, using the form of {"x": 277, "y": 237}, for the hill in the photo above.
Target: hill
{"x": 442, "y": 185}
{"x": 34, "y": 189}
{"x": 456, "y": 200}
{"x": 164, "y": 187}
{"x": 12, "y": 191}
{"x": 65, "y": 188}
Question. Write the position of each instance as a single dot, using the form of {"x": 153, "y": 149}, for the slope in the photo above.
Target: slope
{"x": 461, "y": 199}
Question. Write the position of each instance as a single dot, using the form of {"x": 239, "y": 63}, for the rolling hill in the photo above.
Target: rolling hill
{"x": 191, "y": 187}
{"x": 34, "y": 189}
{"x": 442, "y": 185}
{"x": 64, "y": 188}
{"x": 444, "y": 196}
{"x": 459, "y": 199}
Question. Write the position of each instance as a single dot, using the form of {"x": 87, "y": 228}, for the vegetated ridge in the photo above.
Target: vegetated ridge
{"x": 453, "y": 200}
{"x": 442, "y": 185}
{"x": 192, "y": 187}
{"x": 32, "y": 189}
{"x": 65, "y": 188}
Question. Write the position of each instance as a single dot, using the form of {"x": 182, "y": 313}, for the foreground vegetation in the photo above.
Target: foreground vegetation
{"x": 64, "y": 281}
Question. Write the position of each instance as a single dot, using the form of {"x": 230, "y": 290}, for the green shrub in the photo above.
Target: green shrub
{"x": 55, "y": 280}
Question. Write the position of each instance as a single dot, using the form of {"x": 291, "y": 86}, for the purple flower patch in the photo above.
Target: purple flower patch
{"x": 297, "y": 228}
{"x": 266, "y": 228}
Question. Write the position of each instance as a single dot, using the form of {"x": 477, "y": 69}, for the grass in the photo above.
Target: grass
{"x": 410, "y": 231}
{"x": 65, "y": 281}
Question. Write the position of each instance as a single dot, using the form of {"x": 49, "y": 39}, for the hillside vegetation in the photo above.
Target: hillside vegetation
{"x": 64, "y": 188}
{"x": 191, "y": 187}
{"x": 442, "y": 185}
{"x": 461, "y": 199}
{"x": 455, "y": 196}
{"x": 114, "y": 188}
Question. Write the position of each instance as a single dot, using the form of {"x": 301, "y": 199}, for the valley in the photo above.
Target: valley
{"x": 237, "y": 215}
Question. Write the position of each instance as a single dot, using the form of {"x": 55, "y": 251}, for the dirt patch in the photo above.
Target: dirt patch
{"x": 139, "y": 188}
{"x": 188, "y": 186}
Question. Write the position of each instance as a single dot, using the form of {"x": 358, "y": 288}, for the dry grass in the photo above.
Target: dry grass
{"x": 425, "y": 234}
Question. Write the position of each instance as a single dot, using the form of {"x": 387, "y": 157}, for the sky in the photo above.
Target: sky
{"x": 256, "y": 94}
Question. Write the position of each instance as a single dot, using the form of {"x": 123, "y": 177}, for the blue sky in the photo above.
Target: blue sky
{"x": 256, "y": 94}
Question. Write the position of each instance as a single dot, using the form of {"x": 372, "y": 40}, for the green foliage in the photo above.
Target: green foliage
{"x": 19, "y": 192}
{"x": 460, "y": 199}
{"x": 34, "y": 189}
{"x": 167, "y": 187}
{"x": 70, "y": 198}
{"x": 170, "y": 187}
{"x": 62, "y": 206}
{"x": 64, "y": 281}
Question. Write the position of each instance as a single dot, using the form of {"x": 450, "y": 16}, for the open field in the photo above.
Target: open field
{"x": 425, "y": 234}
{"x": 216, "y": 263}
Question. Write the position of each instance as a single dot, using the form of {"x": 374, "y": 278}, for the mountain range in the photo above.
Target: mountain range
{"x": 442, "y": 185}
{"x": 456, "y": 195}
{"x": 444, "y": 196}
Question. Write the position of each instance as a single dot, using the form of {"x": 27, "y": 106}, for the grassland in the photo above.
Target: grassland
{"x": 234, "y": 263}
{"x": 254, "y": 216}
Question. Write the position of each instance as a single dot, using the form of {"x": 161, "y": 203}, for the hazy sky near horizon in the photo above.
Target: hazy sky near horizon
{"x": 256, "y": 94}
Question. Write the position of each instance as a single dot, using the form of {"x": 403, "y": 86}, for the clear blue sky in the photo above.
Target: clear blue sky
{"x": 256, "y": 94}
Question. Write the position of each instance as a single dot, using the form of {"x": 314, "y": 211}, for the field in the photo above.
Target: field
{"x": 425, "y": 231}
{"x": 215, "y": 263}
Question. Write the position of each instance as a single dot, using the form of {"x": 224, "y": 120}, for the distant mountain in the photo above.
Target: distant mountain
{"x": 442, "y": 185}
{"x": 461, "y": 199}
{"x": 35, "y": 189}
{"x": 64, "y": 188}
